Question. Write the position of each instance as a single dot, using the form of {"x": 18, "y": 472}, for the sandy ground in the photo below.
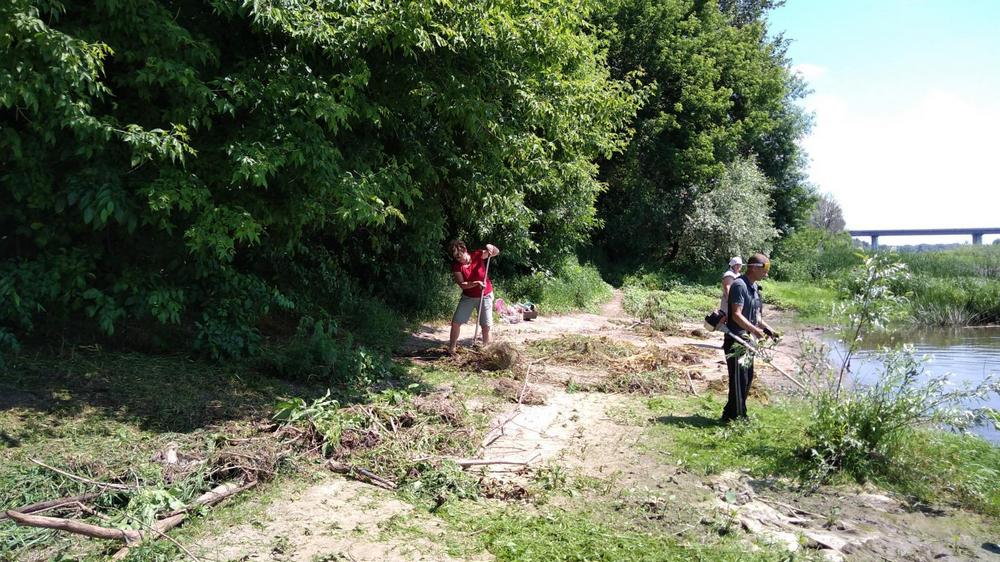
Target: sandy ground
{"x": 580, "y": 432}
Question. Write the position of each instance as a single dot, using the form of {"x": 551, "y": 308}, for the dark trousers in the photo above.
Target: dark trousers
{"x": 740, "y": 379}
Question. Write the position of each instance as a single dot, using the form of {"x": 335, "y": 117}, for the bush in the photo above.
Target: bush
{"x": 570, "y": 287}
{"x": 812, "y": 254}
{"x": 733, "y": 219}
{"x": 862, "y": 431}
{"x": 319, "y": 351}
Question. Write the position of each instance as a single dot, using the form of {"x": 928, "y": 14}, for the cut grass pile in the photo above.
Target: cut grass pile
{"x": 631, "y": 369}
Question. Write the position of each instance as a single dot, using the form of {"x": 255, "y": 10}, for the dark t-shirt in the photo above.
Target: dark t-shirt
{"x": 743, "y": 292}
{"x": 475, "y": 270}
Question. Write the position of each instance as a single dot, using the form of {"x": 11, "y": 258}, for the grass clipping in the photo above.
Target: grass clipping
{"x": 631, "y": 369}
{"x": 500, "y": 356}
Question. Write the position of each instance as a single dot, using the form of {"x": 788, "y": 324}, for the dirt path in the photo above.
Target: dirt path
{"x": 587, "y": 434}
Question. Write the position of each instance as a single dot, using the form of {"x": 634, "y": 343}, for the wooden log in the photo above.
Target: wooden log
{"x": 52, "y": 504}
{"x": 76, "y": 527}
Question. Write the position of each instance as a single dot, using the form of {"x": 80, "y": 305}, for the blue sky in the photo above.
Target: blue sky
{"x": 906, "y": 97}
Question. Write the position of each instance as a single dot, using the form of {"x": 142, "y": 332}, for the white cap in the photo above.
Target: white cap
{"x": 736, "y": 261}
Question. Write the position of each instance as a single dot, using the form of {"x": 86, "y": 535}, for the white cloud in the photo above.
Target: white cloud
{"x": 924, "y": 164}
{"x": 809, "y": 72}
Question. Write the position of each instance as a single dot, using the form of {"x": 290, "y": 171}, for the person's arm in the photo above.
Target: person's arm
{"x": 491, "y": 251}
{"x": 744, "y": 323}
{"x": 767, "y": 329}
{"x": 460, "y": 280}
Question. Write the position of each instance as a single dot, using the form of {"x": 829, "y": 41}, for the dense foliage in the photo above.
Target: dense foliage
{"x": 734, "y": 219}
{"x": 721, "y": 90}
{"x": 212, "y": 165}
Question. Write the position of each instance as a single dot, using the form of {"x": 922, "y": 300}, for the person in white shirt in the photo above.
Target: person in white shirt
{"x": 735, "y": 265}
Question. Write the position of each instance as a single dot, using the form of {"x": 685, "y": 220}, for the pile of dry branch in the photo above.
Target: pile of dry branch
{"x": 235, "y": 466}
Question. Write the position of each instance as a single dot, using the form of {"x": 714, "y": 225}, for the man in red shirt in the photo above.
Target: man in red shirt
{"x": 469, "y": 271}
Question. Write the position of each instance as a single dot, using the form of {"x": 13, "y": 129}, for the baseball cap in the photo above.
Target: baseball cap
{"x": 736, "y": 261}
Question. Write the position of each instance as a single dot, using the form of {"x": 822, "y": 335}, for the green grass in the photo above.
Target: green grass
{"x": 664, "y": 309}
{"x": 688, "y": 431}
{"x": 598, "y": 532}
{"x": 812, "y": 301}
{"x": 933, "y": 466}
{"x": 569, "y": 287}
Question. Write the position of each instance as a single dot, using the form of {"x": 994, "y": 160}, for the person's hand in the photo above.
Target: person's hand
{"x": 479, "y": 284}
{"x": 492, "y": 250}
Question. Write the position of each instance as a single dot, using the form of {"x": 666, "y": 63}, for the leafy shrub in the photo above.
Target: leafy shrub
{"x": 863, "y": 431}
{"x": 813, "y": 254}
{"x": 320, "y": 351}
{"x": 571, "y": 286}
{"x": 733, "y": 219}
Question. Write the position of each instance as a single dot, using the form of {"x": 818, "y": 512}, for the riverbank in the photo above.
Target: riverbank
{"x": 615, "y": 423}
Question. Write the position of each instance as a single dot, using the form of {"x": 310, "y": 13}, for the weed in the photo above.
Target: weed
{"x": 570, "y": 287}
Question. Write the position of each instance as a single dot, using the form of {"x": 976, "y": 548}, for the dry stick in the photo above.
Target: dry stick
{"x": 354, "y": 472}
{"x": 76, "y": 527}
{"x": 465, "y": 463}
{"x": 52, "y": 504}
{"x": 81, "y": 478}
{"x": 690, "y": 383}
{"x": 520, "y": 395}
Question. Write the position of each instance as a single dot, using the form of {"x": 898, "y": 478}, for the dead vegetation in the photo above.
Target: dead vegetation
{"x": 519, "y": 392}
{"x": 499, "y": 356}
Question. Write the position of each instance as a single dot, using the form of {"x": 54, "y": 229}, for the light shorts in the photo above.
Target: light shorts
{"x": 467, "y": 304}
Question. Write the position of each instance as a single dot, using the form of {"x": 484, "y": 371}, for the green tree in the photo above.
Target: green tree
{"x": 733, "y": 219}
{"x": 204, "y": 164}
{"x": 721, "y": 90}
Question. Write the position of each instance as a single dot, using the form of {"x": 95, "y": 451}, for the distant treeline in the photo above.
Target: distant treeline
{"x": 200, "y": 174}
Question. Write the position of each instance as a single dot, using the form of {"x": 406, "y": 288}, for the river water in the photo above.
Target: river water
{"x": 968, "y": 354}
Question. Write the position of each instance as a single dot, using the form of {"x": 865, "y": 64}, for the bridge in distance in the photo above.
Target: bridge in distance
{"x": 976, "y": 233}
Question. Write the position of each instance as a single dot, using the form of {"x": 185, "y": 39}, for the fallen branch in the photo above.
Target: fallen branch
{"x": 76, "y": 527}
{"x": 527, "y": 373}
{"x": 690, "y": 383}
{"x": 355, "y": 471}
{"x": 465, "y": 463}
{"x": 52, "y": 504}
{"x": 175, "y": 518}
{"x": 81, "y": 478}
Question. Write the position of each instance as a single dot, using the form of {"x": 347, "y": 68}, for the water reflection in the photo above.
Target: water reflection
{"x": 969, "y": 354}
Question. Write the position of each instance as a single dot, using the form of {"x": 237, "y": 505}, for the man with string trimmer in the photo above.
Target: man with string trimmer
{"x": 744, "y": 322}
{"x": 471, "y": 273}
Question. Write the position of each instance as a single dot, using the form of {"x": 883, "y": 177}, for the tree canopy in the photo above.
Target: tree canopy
{"x": 721, "y": 90}
{"x": 201, "y": 167}
{"x": 183, "y": 160}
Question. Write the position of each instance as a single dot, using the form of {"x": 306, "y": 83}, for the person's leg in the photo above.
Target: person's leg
{"x": 462, "y": 313}
{"x": 486, "y": 321}
{"x": 732, "y": 364}
{"x": 746, "y": 379}
{"x": 456, "y": 330}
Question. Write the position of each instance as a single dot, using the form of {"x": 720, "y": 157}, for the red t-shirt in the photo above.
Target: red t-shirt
{"x": 474, "y": 271}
